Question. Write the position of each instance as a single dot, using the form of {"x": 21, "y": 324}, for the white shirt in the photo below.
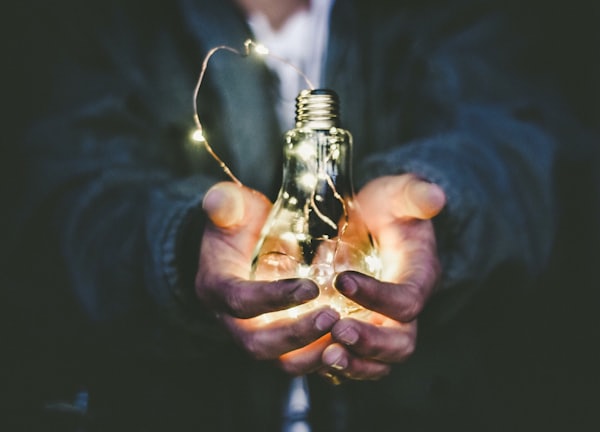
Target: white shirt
{"x": 301, "y": 40}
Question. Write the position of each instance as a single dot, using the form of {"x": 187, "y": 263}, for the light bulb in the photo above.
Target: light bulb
{"x": 315, "y": 229}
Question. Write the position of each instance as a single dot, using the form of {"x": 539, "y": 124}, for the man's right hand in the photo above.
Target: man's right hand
{"x": 236, "y": 215}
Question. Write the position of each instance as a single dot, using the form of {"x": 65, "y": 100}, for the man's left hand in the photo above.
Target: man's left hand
{"x": 398, "y": 212}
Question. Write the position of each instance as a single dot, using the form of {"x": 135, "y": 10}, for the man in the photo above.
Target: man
{"x": 454, "y": 154}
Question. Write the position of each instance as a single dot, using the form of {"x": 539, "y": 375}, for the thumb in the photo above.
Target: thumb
{"x": 224, "y": 204}
{"x": 404, "y": 196}
{"x": 419, "y": 199}
{"x": 229, "y": 205}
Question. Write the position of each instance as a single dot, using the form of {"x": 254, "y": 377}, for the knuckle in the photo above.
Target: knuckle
{"x": 253, "y": 347}
{"x": 369, "y": 347}
{"x": 298, "y": 337}
{"x": 406, "y": 348}
{"x": 409, "y": 348}
{"x": 378, "y": 352}
{"x": 412, "y": 311}
{"x": 295, "y": 339}
{"x": 412, "y": 305}
{"x": 235, "y": 304}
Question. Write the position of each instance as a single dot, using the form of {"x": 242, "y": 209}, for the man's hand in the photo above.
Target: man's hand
{"x": 236, "y": 215}
{"x": 397, "y": 210}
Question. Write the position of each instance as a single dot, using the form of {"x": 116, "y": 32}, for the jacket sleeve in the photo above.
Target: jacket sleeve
{"x": 108, "y": 175}
{"x": 471, "y": 120}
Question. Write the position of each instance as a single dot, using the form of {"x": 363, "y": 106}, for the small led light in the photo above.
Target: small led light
{"x": 373, "y": 263}
{"x": 335, "y": 153}
{"x": 308, "y": 180}
{"x": 301, "y": 237}
{"x": 288, "y": 237}
{"x": 261, "y": 49}
{"x": 303, "y": 271}
{"x": 306, "y": 152}
{"x": 198, "y": 136}
{"x": 299, "y": 226}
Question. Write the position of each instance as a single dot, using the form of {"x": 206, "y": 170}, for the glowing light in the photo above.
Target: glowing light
{"x": 329, "y": 256}
{"x": 299, "y": 226}
{"x": 198, "y": 136}
{"x": 288, "y": 237}
{"x": 303, "y": 271}
{"x": 293, "y": 312}
{"x": 301, "y": 237}
{"x": 260, "y": 49}
{"x": 308, "y": 180}
{"x": 373, "y": 263}
{"x": 335, "y": 153}
{"x": 306, "y": 151}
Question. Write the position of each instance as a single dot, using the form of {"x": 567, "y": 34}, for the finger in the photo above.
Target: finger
{"x": 228, "y": 205}
{"x": 343, "y": 362}
{"x": 224, "y": 204}
{"x": 419, "y": 199}
{"x": 305, "y": 360}
{"x": 270, "y": 341}
{"x": 401, "y": 302}
{"x": 391, "y": 342}
{"x": 246, "y": 299}
{"x": 227, "y": 248}
{"x": 402, "y": 196}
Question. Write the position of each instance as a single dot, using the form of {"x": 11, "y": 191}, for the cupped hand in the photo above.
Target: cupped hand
{"x": 398, "y": 212}
{"x": 236, "y": 215}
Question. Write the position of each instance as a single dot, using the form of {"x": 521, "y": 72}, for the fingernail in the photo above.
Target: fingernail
{"x": 348, "y": 336}
{"x": 325, "y": 320}
{"x": 305, "y": 292}
{"x": 335, "y": 359}
{"x": 223, "y": 203}
{"x": 346, "y": 285}
{"x": 431, "y": 198}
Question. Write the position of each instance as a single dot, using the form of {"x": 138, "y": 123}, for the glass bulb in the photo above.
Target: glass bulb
{"x": 314, "y": 229}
